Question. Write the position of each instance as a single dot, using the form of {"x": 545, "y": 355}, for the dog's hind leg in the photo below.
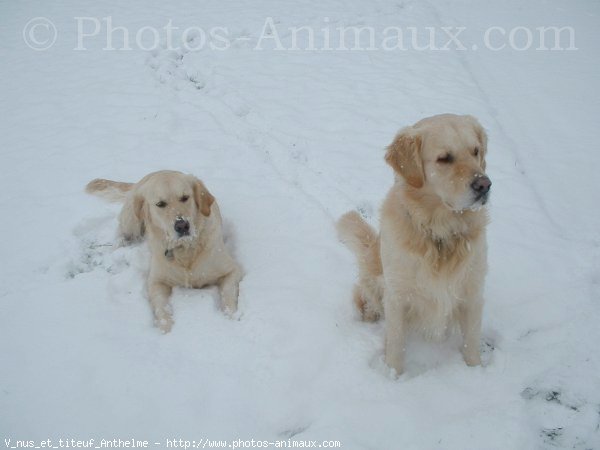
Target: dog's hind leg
{"x": 367, "y": 296}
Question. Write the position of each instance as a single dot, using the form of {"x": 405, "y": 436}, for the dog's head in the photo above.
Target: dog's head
{"x": 444, "y": 156}
{"x": 173, "y": 203}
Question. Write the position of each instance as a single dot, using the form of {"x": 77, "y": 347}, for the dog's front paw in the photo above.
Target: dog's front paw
{"x": 472, "y": 360}
{"x": 229, "y": 305}
{"x": 230, "y": 310}
{"x": 164, "y": 323}
{"x": 395, "y": 364}
{"x": 472, "y": 357}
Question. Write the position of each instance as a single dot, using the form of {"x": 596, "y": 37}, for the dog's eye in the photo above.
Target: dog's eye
{"x": 161, "y": 204}
{"x": 476, "y": 151}
{"x": 446, "y": 159}
{"x": 184, "y": 198}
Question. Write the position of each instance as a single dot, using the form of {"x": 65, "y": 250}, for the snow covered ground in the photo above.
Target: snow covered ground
{"x": 287, "y": 141}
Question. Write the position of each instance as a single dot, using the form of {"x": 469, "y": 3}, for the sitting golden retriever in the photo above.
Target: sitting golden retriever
{"x": 427, "y": 266}
{"x": 183, "y": 224}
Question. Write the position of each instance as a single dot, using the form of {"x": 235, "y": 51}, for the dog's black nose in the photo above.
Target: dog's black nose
{"x": 481, "y": 185}
{"x": 182, "y": 227}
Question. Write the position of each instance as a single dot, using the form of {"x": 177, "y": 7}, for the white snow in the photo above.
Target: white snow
{"x": 287, "y": 141}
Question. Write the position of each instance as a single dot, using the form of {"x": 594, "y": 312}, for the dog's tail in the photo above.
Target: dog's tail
{"x": 363, "y": 240}
{"x": 113, "y": 191}
{"x": 358, "y": 235}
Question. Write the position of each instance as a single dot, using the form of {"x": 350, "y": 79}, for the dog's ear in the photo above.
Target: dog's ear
{"x": 133, "y": 218}
{"x": 202, "y": 197}
{"x": 139, "y": 208}
{"x": 404, "y": 155}
{"x": 482, "y": 138}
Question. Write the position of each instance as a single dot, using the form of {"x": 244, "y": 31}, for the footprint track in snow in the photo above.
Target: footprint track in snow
{"x": 177, "y": 69}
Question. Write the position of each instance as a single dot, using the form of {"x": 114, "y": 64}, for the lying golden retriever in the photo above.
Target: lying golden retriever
{"x": 427, "y": 266}
{"x": 183, "y": 224}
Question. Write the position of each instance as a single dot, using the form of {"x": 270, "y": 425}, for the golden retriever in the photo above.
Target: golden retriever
{"x": 426, "y": 268}
{"x": 183, "y": 224}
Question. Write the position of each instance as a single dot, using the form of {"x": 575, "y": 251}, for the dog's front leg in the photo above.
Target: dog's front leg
{"x": 470, "y": 326}
{"x": 159, "y": 294}
{"x": 395, "y": 346}
{"x": 229, "y": 290}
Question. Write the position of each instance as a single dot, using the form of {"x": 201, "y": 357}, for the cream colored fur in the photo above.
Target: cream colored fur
{"x": 426, "y": 269}
{"x": 193, "y": 261}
